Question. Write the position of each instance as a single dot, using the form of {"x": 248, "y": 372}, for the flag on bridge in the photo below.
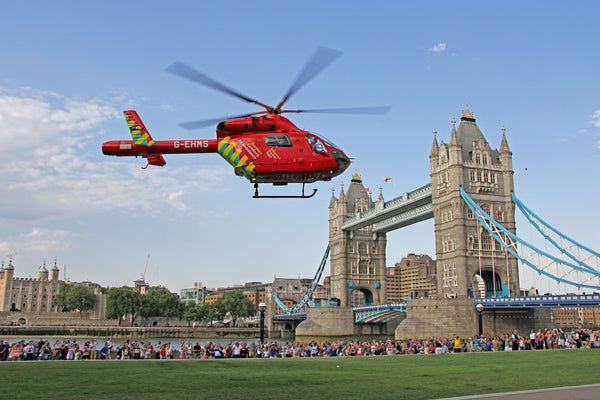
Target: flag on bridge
{"x": 388, "y": 179}
{"x": 364, "y": 190}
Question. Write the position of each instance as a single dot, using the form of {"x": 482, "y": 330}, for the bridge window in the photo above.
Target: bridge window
{"x": 473, "y": 242}
{"x": 477, "y": 158}
{"x": 470, "y": 214}
{"x": 449, "y": 245}
{"x": 278, "y": 141}
{"x": 363, "y": 267}
{"x": 362, "y": 248}
{"x": 486, "y": 241}
{"x": 498, "y": 245}
{"x": 492, "y": 177}
{"x": 499, "y": 216}
{"x": 473, "y": 176}
{"x": 361, "y": 206}
{"x": 485, "y": 159}
{"x": 447, "y": 215}
{"x": 449, "y": 275}
{"x": 353, "y": 267}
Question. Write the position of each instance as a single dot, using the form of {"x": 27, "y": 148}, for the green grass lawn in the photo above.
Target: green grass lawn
{"x": 383, "y": 377}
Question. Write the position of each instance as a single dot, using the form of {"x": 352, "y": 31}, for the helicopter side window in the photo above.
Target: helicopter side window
{"x": 278, "y": 141}
{"x": 316, "y": 145}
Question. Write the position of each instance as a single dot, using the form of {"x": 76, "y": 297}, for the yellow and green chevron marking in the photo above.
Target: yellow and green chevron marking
{"x": 231, "y": 153}
{"x": 138, "y": 134}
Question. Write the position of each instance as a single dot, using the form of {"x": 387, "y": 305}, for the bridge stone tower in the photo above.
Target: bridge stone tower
{"x": 470, "y": 263}
{"x": 358, "y": 257}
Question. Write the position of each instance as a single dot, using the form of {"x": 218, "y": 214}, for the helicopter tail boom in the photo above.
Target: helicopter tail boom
{"x": 143, "y": 145}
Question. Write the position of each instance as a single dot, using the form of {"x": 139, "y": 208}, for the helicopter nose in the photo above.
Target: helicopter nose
{"x": 343, "y": 162}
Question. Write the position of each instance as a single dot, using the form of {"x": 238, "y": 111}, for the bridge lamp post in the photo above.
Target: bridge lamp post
{"x": 479, "y": 308}
{"x": 262, "y": 307}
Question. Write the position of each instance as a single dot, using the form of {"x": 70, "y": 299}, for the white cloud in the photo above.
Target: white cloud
{"x": 438, "y": 48}
{"x": 596, "y": 118}
{"x": 174, "y": 200}
{"x": 51, "y": 165}
{"x": 39, "y": 240}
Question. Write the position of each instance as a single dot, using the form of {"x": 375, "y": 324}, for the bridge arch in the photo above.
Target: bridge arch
{"x": 489, "y": 284}
{"x": 362, "y": 296}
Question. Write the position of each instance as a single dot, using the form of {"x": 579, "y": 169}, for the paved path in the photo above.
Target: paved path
{"x": 584, "y": 392}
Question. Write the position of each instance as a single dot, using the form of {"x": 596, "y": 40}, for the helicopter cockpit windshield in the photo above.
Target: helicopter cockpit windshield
{"x": 316, "y": 145}
{"x": 325, "y": 140}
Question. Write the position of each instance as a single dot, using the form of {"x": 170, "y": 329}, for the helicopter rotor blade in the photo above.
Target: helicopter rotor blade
{"x": 192, "y": 125}
{"x": 185, "y": 71}
{"x": 322, "y": 57}
{"x": 353, "y": 110}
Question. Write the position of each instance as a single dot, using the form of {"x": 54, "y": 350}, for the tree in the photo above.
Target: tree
{"x": 82, "y": 299}
{"x": 60, "y": 301}
{"x": 160, "y": 302}
{"x": 211, "y": 313}
{"x": 195, "y": 313}
{"x": 74, "y": 298}
{"x": 121, "y": 302}
{"x": 236, "y": 304}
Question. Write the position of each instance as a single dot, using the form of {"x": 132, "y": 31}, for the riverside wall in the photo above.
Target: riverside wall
{"x": 118, "y": 333}
{"x": 452, "y": 317}
{"x": 72, "y": 324}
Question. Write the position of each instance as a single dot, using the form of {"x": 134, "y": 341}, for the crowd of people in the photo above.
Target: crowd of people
{"x": 134, "y": 350}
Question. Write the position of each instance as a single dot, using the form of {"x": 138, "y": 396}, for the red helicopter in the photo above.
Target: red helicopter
{"x": 263, "y": 146}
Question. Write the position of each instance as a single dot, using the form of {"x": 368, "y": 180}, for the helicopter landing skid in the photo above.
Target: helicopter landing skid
{"x": 303, "y": 196}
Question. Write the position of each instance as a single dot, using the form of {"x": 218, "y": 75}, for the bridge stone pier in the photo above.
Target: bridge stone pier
{"x": 451, "y": 317}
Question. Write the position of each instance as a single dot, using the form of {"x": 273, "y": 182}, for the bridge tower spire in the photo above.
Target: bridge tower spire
{"x": 467, "y": 256}
{"x": 357, "y": 257}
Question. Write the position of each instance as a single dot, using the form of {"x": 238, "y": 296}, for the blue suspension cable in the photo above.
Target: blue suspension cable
{"x": 305, "y": 299}
{"x": 528, "y": 213}
{"x": 478, "y": 212}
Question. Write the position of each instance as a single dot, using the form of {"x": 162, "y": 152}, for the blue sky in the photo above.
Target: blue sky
{"x": 70, "y": 68}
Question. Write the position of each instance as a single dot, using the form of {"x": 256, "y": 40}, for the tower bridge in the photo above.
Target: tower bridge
{"x": 471, "y": 198}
